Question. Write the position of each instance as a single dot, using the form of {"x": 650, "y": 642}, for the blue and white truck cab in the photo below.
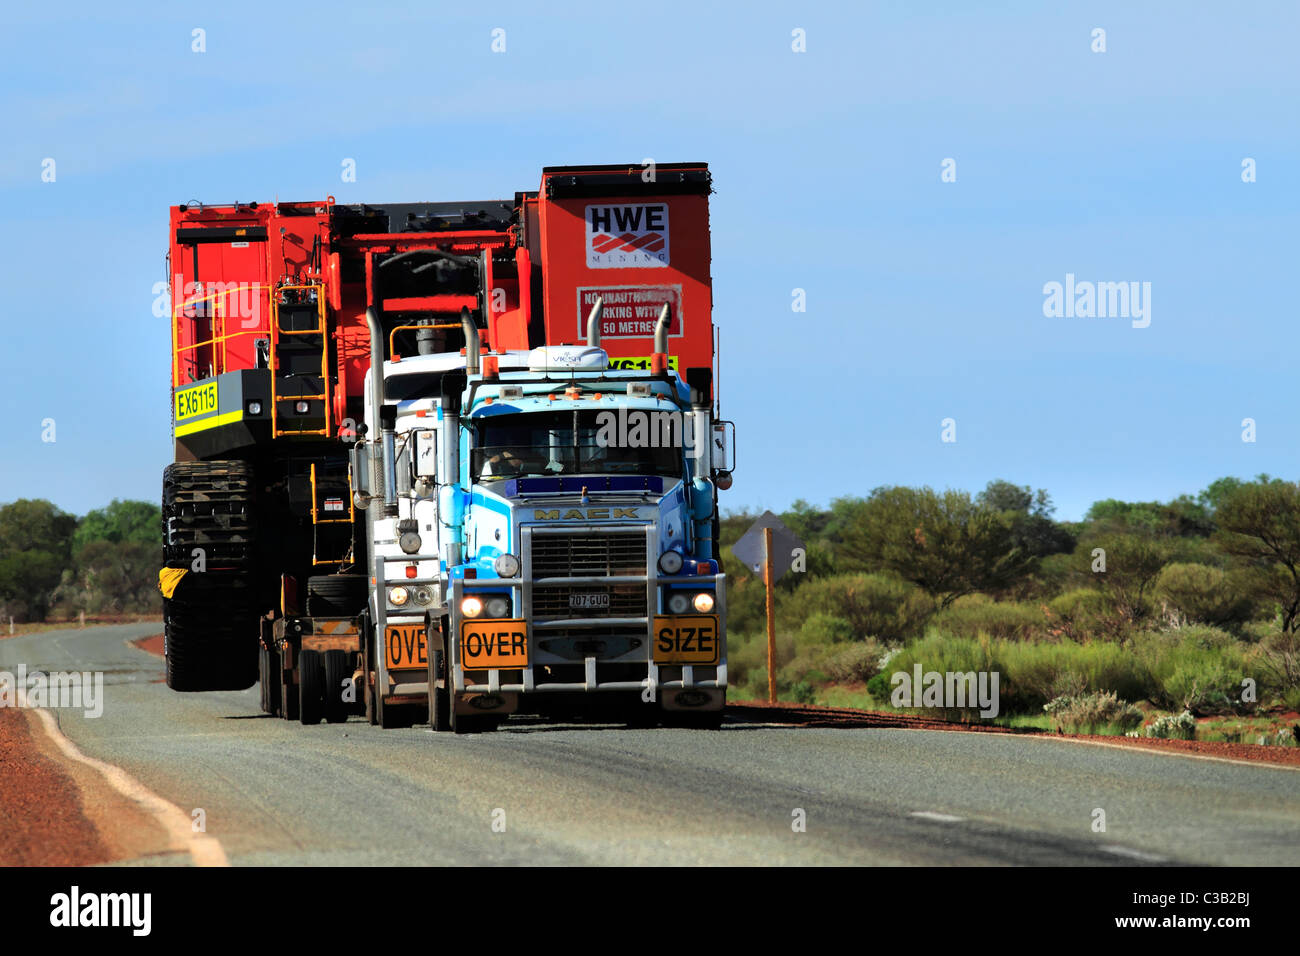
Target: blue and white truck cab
{"x": 542, "y": 527}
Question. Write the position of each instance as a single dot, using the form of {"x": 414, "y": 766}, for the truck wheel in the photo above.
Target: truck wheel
{"x": 288, "y": 690}
{"x": 336, "y": 595}
{"x": 269, "y": 678}
{"x": 439, "y": 697}
{"x": 209, "y": 505}
{"x": 211, "y": 619}
{"x": 210, "y": 633}
{"x": 311, "y": 697}
{"x": 338, "y": 669}
{"x": 369, "y": 677}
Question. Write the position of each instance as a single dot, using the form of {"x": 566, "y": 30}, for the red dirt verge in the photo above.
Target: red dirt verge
{"x": 810, "y": 715}
{"x": 44, "y": 822}
{"x": 152, "y": 645}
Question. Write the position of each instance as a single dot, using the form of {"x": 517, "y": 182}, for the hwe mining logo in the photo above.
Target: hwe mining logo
{"x": 627, "y": 236}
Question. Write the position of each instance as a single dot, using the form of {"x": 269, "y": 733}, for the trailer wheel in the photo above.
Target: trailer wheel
{"x": 288, "y": 690}
{"x": 269, "y": 678}
{"x": 311, "y": 677}
{"x": 338, "y": 670}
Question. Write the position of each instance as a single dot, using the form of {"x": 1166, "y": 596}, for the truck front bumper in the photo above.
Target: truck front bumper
{"x": 592, "y": 655}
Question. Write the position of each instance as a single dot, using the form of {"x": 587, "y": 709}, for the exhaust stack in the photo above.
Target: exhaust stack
{"x": 471, "y": 342}
{"x": 593, "y": 323}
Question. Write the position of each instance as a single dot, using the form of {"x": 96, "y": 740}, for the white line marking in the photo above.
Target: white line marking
{"x": 936, "y": 817}
{"x": 204, "y": 850}
{"x": 1133, "y": 854}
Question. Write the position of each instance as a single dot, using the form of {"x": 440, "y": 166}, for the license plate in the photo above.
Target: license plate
{"x": 583, "y": 602}
{"x": 406, "y": 647}
{"x": 689, "y": 639}
{"x": 486, "y": 645}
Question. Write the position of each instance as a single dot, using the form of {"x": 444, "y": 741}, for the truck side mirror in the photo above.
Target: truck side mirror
{"x": 426, "y": 453}
{"x": 724, "y": 446}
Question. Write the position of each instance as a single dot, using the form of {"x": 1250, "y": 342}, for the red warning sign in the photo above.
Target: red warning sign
{"x": 630, "y": 311}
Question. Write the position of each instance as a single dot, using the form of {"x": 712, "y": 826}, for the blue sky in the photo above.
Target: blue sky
{"x": 924, "y": 298}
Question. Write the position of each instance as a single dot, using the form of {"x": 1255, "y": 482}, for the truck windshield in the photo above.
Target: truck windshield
{"x": 573, "y": 443}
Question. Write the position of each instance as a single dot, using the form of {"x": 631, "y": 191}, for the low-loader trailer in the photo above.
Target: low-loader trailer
{"x": 450, "y": 461}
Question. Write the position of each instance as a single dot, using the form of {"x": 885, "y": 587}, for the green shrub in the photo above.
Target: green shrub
{"x": 1204, "y": 594}
{"x": 1200, "y": 669}
{"x": 1169, "y": 727}
{"x": 1029, "y": 675}
{"x": 874, "y": 605}
{"x": 977, "y": 614}
{"x": 1033, "y": 674}
{"x": 821, "y": 628}
{"x": 857, "y": 662}
{"x": 879, "y": 686}
{"x": 747, "y": 657}
{"x": 1093, "y": 713}
{"x": 1276, "y": 660}
{"x": 1084, "y": 614}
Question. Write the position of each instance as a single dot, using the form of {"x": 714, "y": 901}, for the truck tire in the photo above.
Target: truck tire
{"x": 337, "y": 595}
{"x": 311, "y": 696}
{"x": 338, "y": 668}
{"x": 209, "y": 505}
{"x": 210, "y": 622}
{"x": 440, "y": 697}
{"x": 288, "y": 689}
{"x": 369, "y": 675}
{"x": 269, "y": 678}
{"x": 211, "y": 634}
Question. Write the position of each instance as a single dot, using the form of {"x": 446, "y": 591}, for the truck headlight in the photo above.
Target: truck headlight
{"x": 498, "y": 607}
{"x": 678, "y": 603}
{"x": 507, "y": 565}
{"x": 670, "y": 562}
{"x": 423, "y": 596}
{"x": 471, "y": 607}
{"x": 398, "y": 596}
{"x": 703, "y": 602}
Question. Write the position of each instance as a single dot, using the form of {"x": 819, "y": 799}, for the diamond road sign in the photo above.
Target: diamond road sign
{"x": 786, "y": 546}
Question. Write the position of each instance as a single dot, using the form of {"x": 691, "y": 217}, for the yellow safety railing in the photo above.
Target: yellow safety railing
{"x": 404, "y": 328}
{"x": 220, "y": 337}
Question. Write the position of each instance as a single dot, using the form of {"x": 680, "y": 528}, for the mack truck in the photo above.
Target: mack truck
{"x": 449, "y": 462}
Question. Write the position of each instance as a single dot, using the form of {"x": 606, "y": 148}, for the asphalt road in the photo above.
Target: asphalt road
{"x": 535, "y": 793}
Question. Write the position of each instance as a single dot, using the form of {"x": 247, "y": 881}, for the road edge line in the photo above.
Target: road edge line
{"x": 204, "y": 850}
{"x": 1152, "y": 750}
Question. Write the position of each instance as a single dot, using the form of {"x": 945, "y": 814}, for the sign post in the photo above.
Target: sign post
{"x": 768, "y": 583}
{"x": 773, "y": 548}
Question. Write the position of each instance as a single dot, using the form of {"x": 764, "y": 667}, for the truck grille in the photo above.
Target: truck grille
{"x": 613, "y": 555}
{"x": 589, "y": 555}
{"x": 624, "y": 601}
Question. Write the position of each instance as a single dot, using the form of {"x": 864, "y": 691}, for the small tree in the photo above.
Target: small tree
{"x": 1259, "y": 522}
{"x": 945, "y": 543}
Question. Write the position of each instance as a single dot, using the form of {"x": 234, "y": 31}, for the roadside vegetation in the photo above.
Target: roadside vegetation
{"x": 56, "y": 566}
{"x": 1175, "y": 619}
